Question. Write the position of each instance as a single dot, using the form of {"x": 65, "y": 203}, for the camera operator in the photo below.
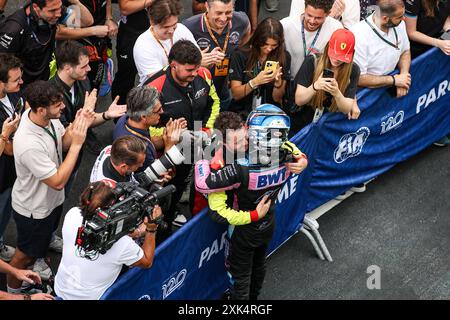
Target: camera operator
{"x": 83, "y": 279}
{"x": 253, "y": 184}
{"x": 116, "y": 163}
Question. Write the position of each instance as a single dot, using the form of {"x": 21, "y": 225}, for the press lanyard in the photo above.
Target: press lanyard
{"x": 159, "y": 42}
{"x": 55, "y": 139}
{"x": 225, "y": 45}
{"x": 383, "y": 38}
{"x": 308, "y": 51}
{"x": 142, "y": 137}
{"x": 36, "y": 37}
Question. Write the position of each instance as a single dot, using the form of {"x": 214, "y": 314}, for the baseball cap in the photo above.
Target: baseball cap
{"x": 342, "y": 45}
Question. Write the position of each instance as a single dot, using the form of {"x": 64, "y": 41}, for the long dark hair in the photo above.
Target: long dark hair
{"x": 429, "y": 6}
{"x": 343, "y": 79}
{"x": 269, "y": 28}
{"x": 96, "y": 195}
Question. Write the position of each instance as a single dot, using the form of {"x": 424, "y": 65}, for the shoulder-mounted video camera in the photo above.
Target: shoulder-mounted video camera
{"x": 107, "y": 226}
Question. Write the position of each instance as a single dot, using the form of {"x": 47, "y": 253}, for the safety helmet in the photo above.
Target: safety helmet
{"x": 268, "y": 128}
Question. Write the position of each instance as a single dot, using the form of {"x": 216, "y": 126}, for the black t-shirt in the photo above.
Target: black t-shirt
{"x": 80, "y": 88}
{"x": 305, "y": 77}
{"x": 431, "y": 26}
{"x": 7, "y": 167}
{"x": 31, "y": 42}
{"x": 239, "y": 26}
{"x": 135, "y": 23}
{"x": 98, "y": 10}
{"x": 238, "y": 72}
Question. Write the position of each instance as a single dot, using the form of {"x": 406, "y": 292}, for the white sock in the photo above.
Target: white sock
{"x": 13, "y": 290}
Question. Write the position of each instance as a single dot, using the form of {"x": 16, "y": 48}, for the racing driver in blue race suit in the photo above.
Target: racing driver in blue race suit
{"x": 242, "y": 192}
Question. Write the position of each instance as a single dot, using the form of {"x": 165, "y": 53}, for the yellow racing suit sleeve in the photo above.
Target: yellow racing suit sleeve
{"x": 215, "y": 107}
{"x": 220, "y": 211}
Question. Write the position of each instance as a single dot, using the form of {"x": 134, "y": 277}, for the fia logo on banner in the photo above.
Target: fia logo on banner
{"x": 351, "y": 144}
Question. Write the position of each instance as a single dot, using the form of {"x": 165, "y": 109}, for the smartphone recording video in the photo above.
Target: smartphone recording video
{"x": 327, "y": 73}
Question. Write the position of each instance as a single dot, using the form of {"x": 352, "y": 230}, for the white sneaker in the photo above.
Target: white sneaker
{"x": 41, "y": 267}
{"x": 343, "y": 196}
{"x": 359, "y": 188}
{"x": 56, "y": 244}
{"x": 6, "y": 252}
{"x": 179, "y": 221}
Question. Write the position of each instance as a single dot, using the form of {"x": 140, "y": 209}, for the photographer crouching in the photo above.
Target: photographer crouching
{"x": 81, "y": 277}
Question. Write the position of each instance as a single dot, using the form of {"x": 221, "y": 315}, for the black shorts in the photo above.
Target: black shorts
{"x": 34, "y": 235}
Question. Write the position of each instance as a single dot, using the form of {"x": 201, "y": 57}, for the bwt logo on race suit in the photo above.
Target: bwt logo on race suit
{"x": 174, "y": 283}
{"x": 392, "y": 122}
{"x": 267, "y": 178}
{"x": 351, "y": 144}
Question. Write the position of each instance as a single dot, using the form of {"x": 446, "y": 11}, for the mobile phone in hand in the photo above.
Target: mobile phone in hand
{"x": 271, "y": 65}
{"x": 446, "y": 35}
{"x": 328, "y": 73}
{"x": 19, "y": 107}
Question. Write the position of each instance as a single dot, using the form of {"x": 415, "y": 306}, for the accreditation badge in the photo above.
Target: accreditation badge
{"x": 222, "y": 69}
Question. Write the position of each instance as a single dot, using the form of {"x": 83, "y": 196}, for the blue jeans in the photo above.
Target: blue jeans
{"x": 5, "y": 211}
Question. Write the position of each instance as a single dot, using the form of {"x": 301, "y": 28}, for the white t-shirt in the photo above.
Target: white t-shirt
{"x": 350, "y": 16}
{"x": 372, "y": 54}
{"x": 36, "y": 159}
{"x": 81, "y": 279}
{"x": 294, "y": 42}
{"x": 150, "y": 57}
{"x": 7, "y": 105}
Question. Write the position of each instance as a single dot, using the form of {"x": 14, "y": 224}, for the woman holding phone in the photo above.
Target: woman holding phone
{"x": 259, "y": 68}
{"x": 329, "y": 82}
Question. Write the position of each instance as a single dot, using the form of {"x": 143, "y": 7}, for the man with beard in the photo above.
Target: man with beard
{"x": 187, "y": 92}
{"x": 305, "y": 34}
{"x": 224, "y": 28}
{"x": 29, "y": 34}
{"x": 38, "y": 192}
{"x": 382, "y": 44}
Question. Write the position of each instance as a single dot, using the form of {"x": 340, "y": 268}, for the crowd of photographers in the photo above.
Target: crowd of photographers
{"x": 216, "y": 74}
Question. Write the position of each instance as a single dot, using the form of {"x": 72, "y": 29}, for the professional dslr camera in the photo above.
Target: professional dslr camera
{"x": 107, "y": 226}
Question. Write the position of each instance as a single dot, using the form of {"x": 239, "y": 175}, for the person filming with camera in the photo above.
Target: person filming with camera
{"x": 81, "y": 277}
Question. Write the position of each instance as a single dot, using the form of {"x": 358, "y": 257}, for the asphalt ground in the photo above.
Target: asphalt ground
{"x": 400, "y": 224}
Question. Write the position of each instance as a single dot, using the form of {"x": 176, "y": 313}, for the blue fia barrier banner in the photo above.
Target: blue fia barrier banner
{"x": 189, "y": 265}
{"x": 341, "y": 153}
{"x": 389, "y": 130}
